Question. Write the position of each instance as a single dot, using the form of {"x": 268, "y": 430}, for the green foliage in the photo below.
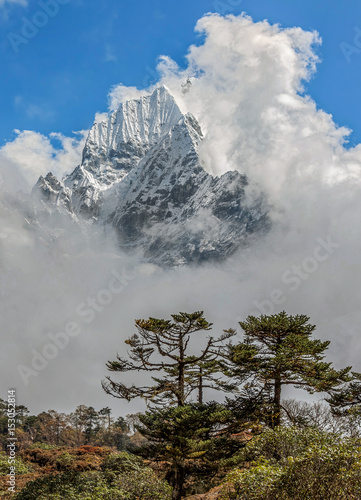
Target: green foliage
{"x": 194, "y": 439}
{"x": 284, "y": 442}
{"x": 277, "y": 351}
{"x": 347, "y": 399}
{"x": 122, "y": 462}
{"x": 143, "y": 484}
{"x": 297, "y": 464}
{"x": 183, "y": 432}
{"x": 122, "y": 478}
{"x": 251, "y": 409}
{"x": 43, "y": 446}
{"x": 162, "y": 346}
{"x": 64, "y": 461}
{"x": 257, "y": 483}
{"x": 20, "y": 466}
{"x": 69, "y": 485}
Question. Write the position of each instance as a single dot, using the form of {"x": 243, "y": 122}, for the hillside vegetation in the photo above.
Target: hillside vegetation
{"x": 254, "y": 445}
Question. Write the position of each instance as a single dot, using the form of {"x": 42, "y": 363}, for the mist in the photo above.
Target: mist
{"x": 79, "y": 293}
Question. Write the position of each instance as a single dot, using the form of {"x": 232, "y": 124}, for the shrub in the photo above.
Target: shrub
{"x": 92, "y": 450}
{"x": 85, "y": 458}
{"x": 66, "y": 486}
{"x": 20, "y": 466}
{"x": 43, "y": 446}
{"x": 324, "y": 472}
{"x": 143, "y": 484}
{"x": 43, "y": 458}
{"x": 254, "y": 484}
{"x": 64, "y": 461}
{"x": 122, "y": 462}
{"x": 296, "y": 464}
{"x": 123, "y": 477}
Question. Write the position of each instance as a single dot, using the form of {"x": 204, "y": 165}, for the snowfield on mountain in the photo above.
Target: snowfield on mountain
{"x": 141, "y": 175}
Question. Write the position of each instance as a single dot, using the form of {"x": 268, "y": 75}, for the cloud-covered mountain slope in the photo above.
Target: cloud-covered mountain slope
{"x": 141, "y": 175}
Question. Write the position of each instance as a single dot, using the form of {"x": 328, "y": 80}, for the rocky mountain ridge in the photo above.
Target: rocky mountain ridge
{"x": 141, "y": 175}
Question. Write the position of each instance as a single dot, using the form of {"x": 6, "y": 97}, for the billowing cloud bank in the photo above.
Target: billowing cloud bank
{"x": 246, "y": 88}
{"x": 32, "y": 154}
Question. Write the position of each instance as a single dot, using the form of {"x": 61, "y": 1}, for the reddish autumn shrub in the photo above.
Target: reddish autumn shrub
{"x": 43, "y": 458}
{"x": 96, "y": 450}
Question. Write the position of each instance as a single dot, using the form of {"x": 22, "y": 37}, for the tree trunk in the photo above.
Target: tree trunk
{"x": 180, "y": 395}
{"x": 200, "y": 386}
{"x": 277, "y": 403}
{"x": 178, "y": 481}
{"x": 181, "y": 382}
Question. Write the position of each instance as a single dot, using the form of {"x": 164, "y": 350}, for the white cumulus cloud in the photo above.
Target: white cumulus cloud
{"x": 121, "y": 93}
{"x": 32, "y": 154}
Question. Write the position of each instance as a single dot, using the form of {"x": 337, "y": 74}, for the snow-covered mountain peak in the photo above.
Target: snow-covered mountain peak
{"x": 142, "y": 176}
{"x": 115, "y": 146}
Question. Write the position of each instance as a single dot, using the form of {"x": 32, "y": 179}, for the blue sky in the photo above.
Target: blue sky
{"x": 58, "y": 79}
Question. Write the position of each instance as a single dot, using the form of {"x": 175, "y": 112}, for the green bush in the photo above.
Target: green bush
{"x": 122, "y": 462}
{"x": 283, "y": 442}
{"x": 43, "y": 446}
{"x": 20, "y": 466}
{"x": 144, "y": 485}
{"x": 257, "y": 483}
{"x": 69, "y": 485}
{"x": 64, "y": 461}
{"x": 324, "y": 472}
{"x": 123, "y": 477}
{"x": 298, "y": 464}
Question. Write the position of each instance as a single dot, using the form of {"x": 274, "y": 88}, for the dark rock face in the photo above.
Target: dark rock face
{"x": 141, "y": 174}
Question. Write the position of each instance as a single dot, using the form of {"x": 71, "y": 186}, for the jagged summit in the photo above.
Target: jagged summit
{"x": 114, "y": 146}
{"x": 141, "y": 175}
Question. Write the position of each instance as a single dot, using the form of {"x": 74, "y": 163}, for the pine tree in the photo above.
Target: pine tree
{"x": 347, "y": 399}
{"x": 193, "y": 438}
{"x": 278, "y": 351}
{"x": 163, "y": 347}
